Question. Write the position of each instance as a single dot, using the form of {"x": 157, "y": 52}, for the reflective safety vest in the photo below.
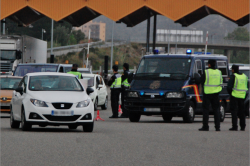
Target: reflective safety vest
{"x": 118, "y": 82}
{"x": 77, "y": 74}
{"x": 125, "y": 82}
{"x": 213, "y": 81}
{"x": 240, "y": 86}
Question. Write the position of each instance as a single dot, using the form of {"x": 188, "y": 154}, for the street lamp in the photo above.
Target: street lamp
{"x": 43, "y": 31}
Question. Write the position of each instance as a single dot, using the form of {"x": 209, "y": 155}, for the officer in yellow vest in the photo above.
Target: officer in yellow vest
{"x": 75, "y": 72}
{"x": 212, "y": 80}
{"x": 115, "y": 84}
{"x": 125, "y": 85}
{"x": 237, "y": 88}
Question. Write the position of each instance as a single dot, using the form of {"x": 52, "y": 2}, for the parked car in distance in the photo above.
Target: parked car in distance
{"x": 8, "y": 84}
{"x": 48, "y": 98}
{"x": 84, "y": 70}
{"x": 100, "y": 95}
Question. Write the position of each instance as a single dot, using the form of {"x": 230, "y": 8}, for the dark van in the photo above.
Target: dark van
{"x": 169, "y": 85}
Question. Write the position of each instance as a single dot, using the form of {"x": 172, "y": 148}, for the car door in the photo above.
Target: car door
{"x": 19, "y": 98}
{"x": 97, "y": 89}
{"x": 102, "y": 91}
{"x": 15, "y": 96}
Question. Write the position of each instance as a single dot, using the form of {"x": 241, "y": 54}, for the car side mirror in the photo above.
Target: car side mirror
{"x": 90, "y": 90}
{"x": 20, "y": 90}
{"x": 197, "y": 78}
{"x": 100, "y": 86}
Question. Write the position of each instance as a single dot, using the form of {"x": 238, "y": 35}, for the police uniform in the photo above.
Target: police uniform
{"x": 115, "y": 86}
{"x": 237, "y": 87}
{"x": 76, "y": 73}
{"x": 212, "y": 80}
{"x": 125, "y": 85}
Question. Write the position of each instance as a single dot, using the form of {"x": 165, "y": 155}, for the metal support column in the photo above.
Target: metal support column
{"x": 148, "y": 33}
{"x": 154, "y": 32}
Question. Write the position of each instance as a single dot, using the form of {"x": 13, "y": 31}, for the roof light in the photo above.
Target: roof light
{"x": 156, "y": 51}
{"x": 141, "y": 93}
{"x": 161, "y": 93}
{"x": 189, "y": 51}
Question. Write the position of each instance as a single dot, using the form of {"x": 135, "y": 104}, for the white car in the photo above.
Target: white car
{"x": 100, "y": 95}
{"x": 48, "y": 98}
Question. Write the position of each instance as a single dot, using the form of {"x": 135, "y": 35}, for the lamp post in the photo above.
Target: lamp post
{"x": 43, "y": 31}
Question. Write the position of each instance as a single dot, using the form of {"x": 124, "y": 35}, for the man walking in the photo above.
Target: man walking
{"x": 212, "y": 80}
{"x": 237, "y": 88}
{"x": 125, "y": 85}
{"x": 115, "y": 83}
{"x": 75, "y": 72}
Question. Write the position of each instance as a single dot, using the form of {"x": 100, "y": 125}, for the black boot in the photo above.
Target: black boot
{"x": 204, "y": 129}
{"x": 233, "y": 129}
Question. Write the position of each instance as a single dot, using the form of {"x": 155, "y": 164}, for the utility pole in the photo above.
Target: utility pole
{"x": 111, "y": 63}
{"x": 51, "y": 47}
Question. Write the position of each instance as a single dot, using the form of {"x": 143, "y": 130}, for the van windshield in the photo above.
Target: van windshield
{"x": 22, "y": 70}
{"x": 164, "y": 68}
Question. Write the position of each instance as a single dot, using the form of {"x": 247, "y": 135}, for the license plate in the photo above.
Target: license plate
{"x": 62, "y": 113}
{"x": 152, "y": 109}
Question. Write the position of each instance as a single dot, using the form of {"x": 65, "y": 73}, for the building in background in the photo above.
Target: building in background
{"x": 181, "y": 36}
{"x": 98, "y": 30}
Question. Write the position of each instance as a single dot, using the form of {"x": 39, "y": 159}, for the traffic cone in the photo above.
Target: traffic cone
{"x": 98, "y": 116}
{"x": 119, "y": 110}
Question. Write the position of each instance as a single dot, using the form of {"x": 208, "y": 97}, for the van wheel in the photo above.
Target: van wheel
{"x": 88, "y": 127}
{"x": 105, "y": 105}
{"x": 167, "y": 118}
{"x": 222, "y": 112}
{"x": 190, "y": 114}
{"x": 96, "y": 104}
{"x": 24, "y": 125}
{"x": 134, "y": 116}
{"x": 13, "y": 124}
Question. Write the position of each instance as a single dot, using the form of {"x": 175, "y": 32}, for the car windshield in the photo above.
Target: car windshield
{"x": 9, "y": 83}
{"x": 90, "y": 81}
{"x": 163, "y": 68}
{"x": 22, "y": 70}
{"x": 54, "y": 83}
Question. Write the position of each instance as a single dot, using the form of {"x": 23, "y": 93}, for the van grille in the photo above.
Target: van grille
{"x": 6, "y": 67}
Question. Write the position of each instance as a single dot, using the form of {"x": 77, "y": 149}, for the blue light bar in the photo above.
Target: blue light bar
{"x": 141, "y": 93}
{"x": 189, "y": 51}
{"x": 156, "y": 51}
{"x": 161, "y": 93}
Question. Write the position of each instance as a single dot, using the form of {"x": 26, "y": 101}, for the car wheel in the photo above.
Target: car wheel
{"x": 167, "y": 118}
{"x": 134, "y": 116}
{"x": 105, "y": 105}
{"x": 88, "y": 127}
{"x": 72, "y": 126}
{"x": 222, "y": 112}
{"x": 24, "y": 125}
{"x": 190, "y": 114}
{"x": 96, "y": 104}
{"x": 13, "y": 124}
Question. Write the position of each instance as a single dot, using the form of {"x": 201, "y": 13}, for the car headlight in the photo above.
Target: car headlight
{"x": 38, "y": 103}
{"x": 132, "y": 94}
{"x": 174, "y": 95}
{"x": 84, "y": 103}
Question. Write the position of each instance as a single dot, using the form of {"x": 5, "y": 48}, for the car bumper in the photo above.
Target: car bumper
{"x": 47, "y": 118}
{"x": 167, "y": 106}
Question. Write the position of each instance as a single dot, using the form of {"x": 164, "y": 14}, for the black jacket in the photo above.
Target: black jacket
{"x": 125, "y": 75}
{"x": 112, "y": 79}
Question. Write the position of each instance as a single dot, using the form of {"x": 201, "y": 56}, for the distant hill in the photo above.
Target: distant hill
{"x": 215, "y": 24}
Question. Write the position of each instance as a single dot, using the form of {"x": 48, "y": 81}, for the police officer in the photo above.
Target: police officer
{"x": 75, "y": 72}
{"x": 115, "y": 83}
{"x": 237, "y": 87}
{"x": 212, "y": 80}
{"x": 125, "y": 85}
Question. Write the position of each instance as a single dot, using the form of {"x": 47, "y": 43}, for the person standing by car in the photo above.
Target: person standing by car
{"x": 125, "y": 85}
{"x": 75, "y": 72}
{"x": 115, "y": 83}
{"x": 212, "y": 80}
{"x": 237, "y": 87}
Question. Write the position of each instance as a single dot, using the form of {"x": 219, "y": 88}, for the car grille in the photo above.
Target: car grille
{"x": 62, "y": 118}
{"x": 62, "y": 105}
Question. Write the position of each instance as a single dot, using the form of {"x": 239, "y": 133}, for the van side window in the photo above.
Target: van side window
{"x": 206, "y": 64}
{"x": 222, "y": 66}
{"x": 198, "y": 67}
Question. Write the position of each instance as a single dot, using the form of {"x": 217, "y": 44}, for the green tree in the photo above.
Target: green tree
{"x": 79, "y": 35}
{"x": 72, "y": 40}
{"x": 61, "y": 36}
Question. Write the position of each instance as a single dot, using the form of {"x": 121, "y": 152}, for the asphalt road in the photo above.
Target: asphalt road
{"x": 120, "y": 142}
